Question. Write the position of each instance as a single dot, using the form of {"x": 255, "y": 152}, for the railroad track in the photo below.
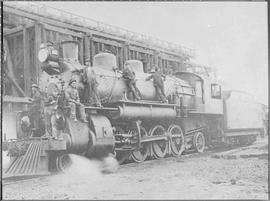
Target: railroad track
{"x": 16, "y": 180}
{"x": 186, "y": 155}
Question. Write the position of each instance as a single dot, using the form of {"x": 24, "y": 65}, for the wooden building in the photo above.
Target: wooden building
{"x": 27, "y": 25}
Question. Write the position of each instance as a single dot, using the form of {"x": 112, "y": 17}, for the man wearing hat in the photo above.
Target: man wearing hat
{"x": 129, "y": 75}
{"x": 72, "y": 96}
{"x": 36, "y": 107}
{"x": 57, "y": 122}
{"x": 93, "y": 84}
{"x": 158, "y": 83}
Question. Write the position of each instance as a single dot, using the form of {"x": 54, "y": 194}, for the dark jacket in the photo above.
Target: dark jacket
{"x": 157, "y": 78}
{"x": 37, "y": 100}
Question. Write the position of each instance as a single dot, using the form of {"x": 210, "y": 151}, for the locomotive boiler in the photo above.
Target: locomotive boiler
{"x": 131, "y": 130}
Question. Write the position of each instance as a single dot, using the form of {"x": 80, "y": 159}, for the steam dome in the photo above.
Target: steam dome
{"x": 105, "y": 60}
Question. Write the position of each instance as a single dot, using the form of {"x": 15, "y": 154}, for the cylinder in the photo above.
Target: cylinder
{"x": 78, "y": 137}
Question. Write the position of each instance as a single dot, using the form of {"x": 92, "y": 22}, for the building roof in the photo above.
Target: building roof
{"x": 63, "y": 16}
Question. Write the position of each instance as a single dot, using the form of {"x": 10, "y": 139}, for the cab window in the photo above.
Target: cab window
{"x": 216, "y": 91}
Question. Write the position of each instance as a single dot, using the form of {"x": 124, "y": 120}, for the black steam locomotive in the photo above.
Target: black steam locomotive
{"x": 199, "y": 113}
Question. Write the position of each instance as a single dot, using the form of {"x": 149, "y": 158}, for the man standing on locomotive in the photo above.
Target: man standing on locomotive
{"x": 57, "y": 122}
{"x": 72, "y": 96}
{"x": 36, "y": 107}
{"x": 93, "y": 84}
{"x": 129, "y": 75}
{"x": 158, "y": 83}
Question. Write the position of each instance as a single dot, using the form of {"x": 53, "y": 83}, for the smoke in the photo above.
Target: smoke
{"x": 83, "y": 168}
{"x": 85, "y": 171}
{"x": 82, "y": 179}
{"x": 109, "y": 165}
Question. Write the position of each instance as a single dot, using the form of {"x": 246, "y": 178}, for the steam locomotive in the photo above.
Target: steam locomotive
{"x": 199, "y": 113}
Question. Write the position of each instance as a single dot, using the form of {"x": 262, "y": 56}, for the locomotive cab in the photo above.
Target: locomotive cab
{"x": 208, "y": 96}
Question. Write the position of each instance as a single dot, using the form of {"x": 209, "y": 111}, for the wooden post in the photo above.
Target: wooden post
{"x": 26, "y": 62}
{"x": 81, "y": 46}
{"x": 102, "y": 47}
{"x": 97, "y": 48}
{"x": 37, "y": 45}
{"x": 92, "y": 48}
{"x": 86, "y": 40}
{"x": 9, "y": 63}
{"x": 156, "y": 58}
{"x": 57, "y": 37}
{"x": 44, "y": 37}
{"x": 50, "y": 36}
{"x": 120, "y": 55}
{"x": 126, "y": 51}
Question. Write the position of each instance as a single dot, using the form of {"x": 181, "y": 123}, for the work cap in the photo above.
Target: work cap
{"x": 34, "y": 85}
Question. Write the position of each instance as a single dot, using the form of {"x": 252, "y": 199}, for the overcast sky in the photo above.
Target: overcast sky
{"x": 230, "y": 36}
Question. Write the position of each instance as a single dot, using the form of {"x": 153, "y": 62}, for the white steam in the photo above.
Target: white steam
{"x": 84, "y": 170}
{"x": 82, "y": 179}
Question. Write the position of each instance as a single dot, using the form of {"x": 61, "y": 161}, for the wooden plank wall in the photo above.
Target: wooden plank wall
{"x": 31, "y": 36}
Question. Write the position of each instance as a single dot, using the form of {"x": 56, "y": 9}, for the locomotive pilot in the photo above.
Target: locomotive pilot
{"x": 72, "y": 96}
{"x": 129, "y": 75}
{"x": 158, "y": 83}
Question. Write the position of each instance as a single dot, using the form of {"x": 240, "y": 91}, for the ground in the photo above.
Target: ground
{"x": 240, "y": 173}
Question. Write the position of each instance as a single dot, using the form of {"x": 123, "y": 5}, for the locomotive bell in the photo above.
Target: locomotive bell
{"x": 106, "y": 61}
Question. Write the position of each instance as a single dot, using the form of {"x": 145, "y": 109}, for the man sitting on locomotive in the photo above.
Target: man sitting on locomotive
{"x": 129, "y": 75}
{"x": 158, "y": 83}
{"x": 72, "y": 96}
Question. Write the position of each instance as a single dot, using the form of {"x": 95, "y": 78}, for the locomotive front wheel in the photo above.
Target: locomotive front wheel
{"x": 199, "y": 142}
{"x": 159, "y": 148}
{"x": 63, "y": 162}
{"x": 139, "y": 155}
{"x": 177, "y": 142}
